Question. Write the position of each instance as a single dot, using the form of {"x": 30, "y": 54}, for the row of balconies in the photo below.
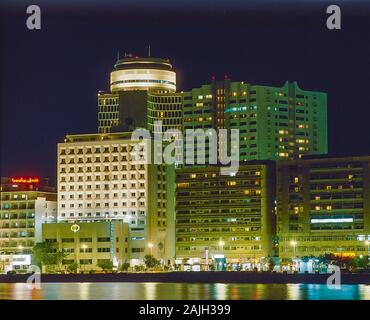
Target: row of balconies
{"x": 106, "y": 188}
{"x": 245, "y": 223}
{"x": 214, "y": 249}
{"x": 27, "y": 230}
{"x": 217, "y": 205}
{"x": 289, "y": 249}
{"x": 102, "y": 168}
{"x": 14, "y": 235}
{"x": 15, "y": 219}
{"x": 221, "y": 233}
{"x": 209, "y": 195}
{"x": 105, "y": 206}
{"x": 210, "y": 215}
{"x": 11, "y": 199}
{"x": 216, "y": 241}
{"x": 195, "y": 186}
{"x": 7, "y": 206}
{"x": 337, "y": 210}
{"x": 352, "y": 167}
{"x": 98, "y": 150}
{"x": 326, "y": 199}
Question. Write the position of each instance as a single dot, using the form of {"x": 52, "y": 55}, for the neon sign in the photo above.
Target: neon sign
{"x": 25, "y": 180}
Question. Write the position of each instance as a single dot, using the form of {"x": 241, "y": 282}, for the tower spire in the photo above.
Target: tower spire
{"x": 149, "y": 51}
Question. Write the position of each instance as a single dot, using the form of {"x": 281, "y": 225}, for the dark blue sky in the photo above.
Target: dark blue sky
{"x": 49, "y": 78}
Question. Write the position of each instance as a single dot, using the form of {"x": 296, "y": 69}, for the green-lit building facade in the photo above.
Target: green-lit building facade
{"x": 323, "y": 206}
{"x": 273, "y": 122}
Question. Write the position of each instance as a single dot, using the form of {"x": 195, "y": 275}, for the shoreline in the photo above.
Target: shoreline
{"x": 193, "y": 277}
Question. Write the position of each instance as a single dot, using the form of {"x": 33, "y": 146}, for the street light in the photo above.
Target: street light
{"x": 151, "y": 245}
{"x": 294, "y": 245}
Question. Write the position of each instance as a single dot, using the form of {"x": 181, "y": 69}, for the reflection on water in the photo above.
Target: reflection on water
{"x": 181, "y": 291}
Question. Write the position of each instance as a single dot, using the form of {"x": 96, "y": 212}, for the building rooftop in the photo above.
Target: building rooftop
{"x": 97, "y": 137}
{"x": 143, "y": 63}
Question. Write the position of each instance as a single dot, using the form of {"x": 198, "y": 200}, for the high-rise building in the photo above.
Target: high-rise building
{"x": 89, "y": 244}
{"x": 225, "y": 220}
{"x": 25, "y": 203}
{"x": 274, "y": 122}
{"x": 323, "y": 206}
{"x": 137, "y": 74}
{"x": 166, "y": 108}
{"x": 98, "y": 180}
{"x": 108, "y": 115}
{"x": 134, "y": 82}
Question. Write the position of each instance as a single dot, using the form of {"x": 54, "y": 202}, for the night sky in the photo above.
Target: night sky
{"x": 49, "y": 78}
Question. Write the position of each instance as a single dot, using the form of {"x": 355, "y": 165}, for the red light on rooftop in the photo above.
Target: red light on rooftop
{"x": 25, "y": 180}
{"x": 213, "y": 77}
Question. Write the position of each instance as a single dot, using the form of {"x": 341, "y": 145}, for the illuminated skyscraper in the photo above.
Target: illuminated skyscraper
{"x": 273, "y": 122}
{"x": 98, "y": 180}
{"x": 136, "y": 89}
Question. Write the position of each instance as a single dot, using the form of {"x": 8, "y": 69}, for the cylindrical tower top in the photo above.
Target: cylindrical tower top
{"x": 143, "y": 74}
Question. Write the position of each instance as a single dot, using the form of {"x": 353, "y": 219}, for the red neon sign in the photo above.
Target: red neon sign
{"x": 30, "y": 180}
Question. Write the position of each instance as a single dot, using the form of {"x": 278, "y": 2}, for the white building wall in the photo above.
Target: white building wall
{"x": 45, "y": 212}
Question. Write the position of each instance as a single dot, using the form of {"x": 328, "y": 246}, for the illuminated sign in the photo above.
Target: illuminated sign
{"x": 334, "y": 220}
{"x": 25, "y": 180}
{"x": 21, "y": 260}
{"x": 75, "y": 228}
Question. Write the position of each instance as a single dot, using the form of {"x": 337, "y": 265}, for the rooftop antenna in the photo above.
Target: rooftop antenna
{"x": 149, "y": 50}
{"x": 117, "y": 54}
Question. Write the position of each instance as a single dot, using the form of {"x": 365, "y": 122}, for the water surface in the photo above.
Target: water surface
{"x": 181, "y": 291}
